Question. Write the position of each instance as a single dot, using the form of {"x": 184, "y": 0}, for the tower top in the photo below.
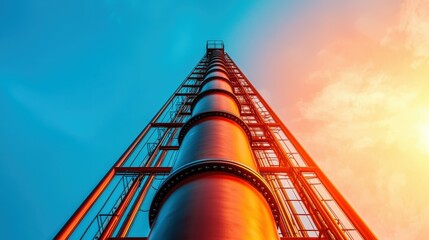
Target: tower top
{"x": 214, "y": 45}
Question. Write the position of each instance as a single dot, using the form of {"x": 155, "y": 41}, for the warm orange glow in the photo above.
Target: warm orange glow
{"x": 425, "y": 137}
{"x": 353, "y": 87}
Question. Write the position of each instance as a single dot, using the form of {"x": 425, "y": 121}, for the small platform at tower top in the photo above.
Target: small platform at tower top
{"x": 214, "y": 45}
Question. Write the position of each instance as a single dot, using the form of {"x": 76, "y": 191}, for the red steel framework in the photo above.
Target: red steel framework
{"x": 215, "y": 163}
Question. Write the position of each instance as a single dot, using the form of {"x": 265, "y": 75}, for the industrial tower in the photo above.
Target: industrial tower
{"x": 215, "y": 163}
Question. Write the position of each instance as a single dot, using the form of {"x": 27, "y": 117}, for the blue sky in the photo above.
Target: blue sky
{"x": 80, "y": 79}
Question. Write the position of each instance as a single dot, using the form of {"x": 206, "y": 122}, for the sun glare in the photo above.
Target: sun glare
{"x": 425, "y": 137}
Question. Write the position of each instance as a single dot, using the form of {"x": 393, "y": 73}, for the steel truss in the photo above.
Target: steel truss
{"x": 310, "y": 206}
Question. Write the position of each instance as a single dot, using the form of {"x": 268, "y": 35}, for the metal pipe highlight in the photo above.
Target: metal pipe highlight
{"x": 226, "y": 200}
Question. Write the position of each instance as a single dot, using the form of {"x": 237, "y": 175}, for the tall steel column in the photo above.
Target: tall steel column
{"x": 214, "y": 190}
{"x": 216, "y": 162}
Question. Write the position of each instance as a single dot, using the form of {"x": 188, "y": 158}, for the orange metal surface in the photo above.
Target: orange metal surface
{"x": 214, "y": 206}
{"x": 215, "y": 138}
{"x": 216, "y": 102}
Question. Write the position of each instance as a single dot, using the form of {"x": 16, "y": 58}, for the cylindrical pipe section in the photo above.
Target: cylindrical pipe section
{"x": 216, "y": 63}
{"x": 217, "y": 83}
{"x": 215, "y": 138}
{"x": 217, "y": 59}
{"x": 216, "y": 102}
{"x": 214, "y": 206}
{"x": 218, "y": 74}
{"x": 217, "y": 67}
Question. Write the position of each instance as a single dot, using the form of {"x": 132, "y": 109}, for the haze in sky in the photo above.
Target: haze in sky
{"x": 80, "y": 79}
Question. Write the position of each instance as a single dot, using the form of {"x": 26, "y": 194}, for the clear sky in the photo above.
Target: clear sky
{"x": 79, "y": 80}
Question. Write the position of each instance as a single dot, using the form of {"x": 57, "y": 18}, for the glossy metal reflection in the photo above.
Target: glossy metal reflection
{"x": 215, "y": 138}
{"x": 214, "y": 204}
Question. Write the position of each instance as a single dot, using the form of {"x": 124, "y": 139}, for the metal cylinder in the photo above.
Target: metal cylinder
{"x": 216, "y": 102}
{"x": 214, "y": 190}
{"x": 217, "y": 74}
{"x": 215, "y": 138}
{"x": 217, "y": 83}
{"x": 214, "y": 206}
